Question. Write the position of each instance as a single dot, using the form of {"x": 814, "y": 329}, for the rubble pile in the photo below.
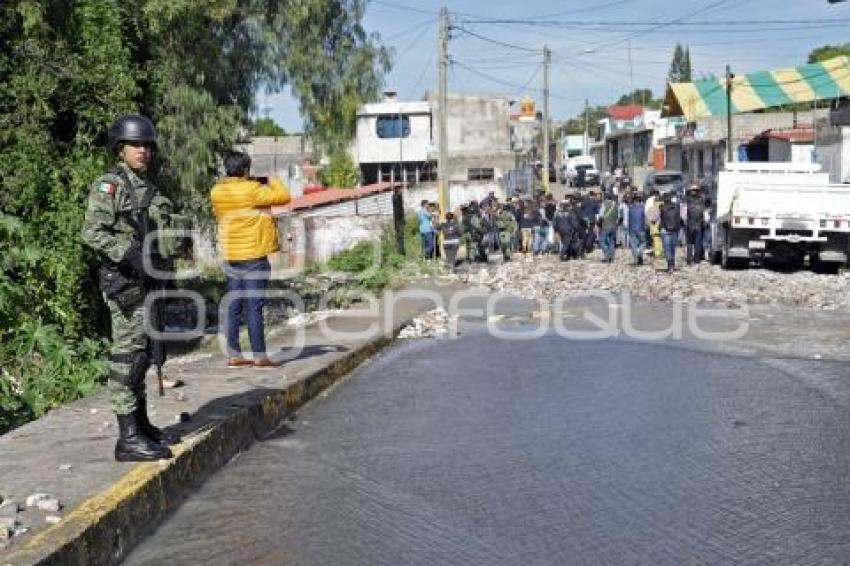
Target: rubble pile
{"x": 546, "y": 278}
{"x": 12, "y": 516}
{"x": 432, "y": 324}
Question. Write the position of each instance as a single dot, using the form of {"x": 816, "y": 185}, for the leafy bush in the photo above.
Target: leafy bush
{"x": 67, "y": 69}
{"x": 39, "y": 368}
{"x": 379, "y": 268}
{"x": 341, "y": 172}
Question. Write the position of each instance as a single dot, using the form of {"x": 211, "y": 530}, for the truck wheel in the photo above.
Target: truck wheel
{"x": 715, "y": 257}
{"x": 826, "y": 267}
{"x": 731, "y": 263}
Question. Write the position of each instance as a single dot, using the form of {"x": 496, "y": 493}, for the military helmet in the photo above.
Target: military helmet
{"x": 131, "y": 127}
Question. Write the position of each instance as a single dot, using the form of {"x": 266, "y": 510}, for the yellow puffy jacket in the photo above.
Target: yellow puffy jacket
{"x": 246, "y": 228}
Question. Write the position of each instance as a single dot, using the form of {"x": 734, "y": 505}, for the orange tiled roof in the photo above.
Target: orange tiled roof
{"x": 331, "y": 196}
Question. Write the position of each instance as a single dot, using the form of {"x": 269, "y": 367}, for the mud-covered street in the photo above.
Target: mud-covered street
{"x": 486, "y": 451}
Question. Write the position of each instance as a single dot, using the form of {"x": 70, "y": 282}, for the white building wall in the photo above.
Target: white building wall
{"x": 414, "y": 148}
{"x": 802, "y": 152}
{"x": 832, "y": 151}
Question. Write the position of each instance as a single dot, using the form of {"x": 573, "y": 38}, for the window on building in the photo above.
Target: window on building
{"x": 392, "y": 126}
{"x": 480, "y": 174}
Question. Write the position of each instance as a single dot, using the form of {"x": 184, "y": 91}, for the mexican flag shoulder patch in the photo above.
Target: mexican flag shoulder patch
{"x": 106, "y": 187}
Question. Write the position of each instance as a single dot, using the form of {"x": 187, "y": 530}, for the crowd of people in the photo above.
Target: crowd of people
{"x": 653, "y": 223}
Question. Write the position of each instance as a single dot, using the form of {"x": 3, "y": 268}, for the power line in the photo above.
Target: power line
{"x": 506, "y": 83}
{"x": 425, "y": 70}
{"x": 706, "y": 8}
{"x": 410, "y": 45}
{"x": 531, "y": 78}
{"x": 403, "y": 7}
{"x": 648, "y": 23}
{"x": 410, "y": 30}
{"x": 594, "y": 8}
{"x": 496, "y": 41}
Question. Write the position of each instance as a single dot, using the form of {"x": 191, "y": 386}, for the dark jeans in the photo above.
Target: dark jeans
{"x": 608, "y": 241}
{"x": 694, "y": 249}
{"x": 248, "y": 278}
{"x": 451, "y": 255}
{"x": 589, "y": 240}
{"x": 670, "y": 240}
{"x": 427, "y": 244}
{"x": 637, "y": 241}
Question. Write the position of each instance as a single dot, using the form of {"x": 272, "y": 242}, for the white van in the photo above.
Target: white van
{"x": 571, "y": 168}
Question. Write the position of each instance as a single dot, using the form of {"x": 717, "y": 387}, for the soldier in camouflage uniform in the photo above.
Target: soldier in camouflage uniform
{"x": 507, "y": 227}
{"x": 122, "y": 207}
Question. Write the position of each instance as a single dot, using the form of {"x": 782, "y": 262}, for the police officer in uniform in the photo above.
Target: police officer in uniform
{"x": 122, "y": 208}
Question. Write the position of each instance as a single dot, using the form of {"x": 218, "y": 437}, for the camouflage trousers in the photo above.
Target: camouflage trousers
{"x": 506, "y": 240}
{"x": 129, "y": 362}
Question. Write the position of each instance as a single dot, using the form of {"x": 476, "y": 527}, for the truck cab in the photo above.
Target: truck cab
{"x": 575, "y": 165}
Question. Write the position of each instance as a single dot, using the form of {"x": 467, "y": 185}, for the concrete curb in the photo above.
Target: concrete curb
{"x": 105, "y": 527}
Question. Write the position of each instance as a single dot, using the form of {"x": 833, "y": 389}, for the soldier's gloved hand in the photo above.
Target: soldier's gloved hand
{"x": 135, "y": 260}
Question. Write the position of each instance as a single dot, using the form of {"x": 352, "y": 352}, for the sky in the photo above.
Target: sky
{"x": 600, "y": 48}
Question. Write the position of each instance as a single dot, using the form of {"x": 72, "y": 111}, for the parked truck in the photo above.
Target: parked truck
{"x": 782, "y": 213}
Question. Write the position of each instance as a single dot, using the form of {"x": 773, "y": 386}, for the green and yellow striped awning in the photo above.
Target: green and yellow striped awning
{"x": 763, "y": 89}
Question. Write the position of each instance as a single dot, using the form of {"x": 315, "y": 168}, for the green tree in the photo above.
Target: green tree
{"x": 341, "y": 172}
{"x": 686, "y": 66}
{"x": 642, "y": 96}
{"x": 267, "y": 127}
{"x": 331, "y": 64}
{"x": 67, "y": 69}
{"x": 680, "y": 66}
{"x": 828, "y": 52}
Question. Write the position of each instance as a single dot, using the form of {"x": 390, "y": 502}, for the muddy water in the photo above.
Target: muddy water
{"x": 480, "y": 451}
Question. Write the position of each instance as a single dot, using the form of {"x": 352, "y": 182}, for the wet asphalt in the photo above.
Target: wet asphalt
{"x": 483, "y": 451}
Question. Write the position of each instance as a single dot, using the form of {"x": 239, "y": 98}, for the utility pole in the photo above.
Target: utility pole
{"x": 547, "y": 57}
{"x": 443, "y": 97}
{"x": 729, "y": 77}
{"x": 586, "y": 129}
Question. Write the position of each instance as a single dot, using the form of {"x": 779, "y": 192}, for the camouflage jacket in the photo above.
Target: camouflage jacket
{"x": 506, "y": 222}
{"x": 108, "y": 226}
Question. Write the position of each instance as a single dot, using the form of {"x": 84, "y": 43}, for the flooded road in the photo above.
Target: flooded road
{"x": 483, "y": 451}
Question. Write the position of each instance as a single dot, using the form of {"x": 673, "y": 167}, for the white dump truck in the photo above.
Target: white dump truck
{"x": 782, "y": 213}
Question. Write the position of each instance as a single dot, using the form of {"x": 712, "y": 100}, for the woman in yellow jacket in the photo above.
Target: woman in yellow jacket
{"x": 246, "y": 236}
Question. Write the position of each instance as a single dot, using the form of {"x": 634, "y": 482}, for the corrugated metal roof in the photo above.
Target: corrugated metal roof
{"x": 794, "y": 135}
{"x": 625, "y": 111}
{"x": 332, "y": 196}
{"x": 763, "y": 89}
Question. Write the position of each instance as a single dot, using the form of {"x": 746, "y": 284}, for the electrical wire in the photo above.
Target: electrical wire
{"x": 502, "y": 82}
{"x": 496, "y": 41}
{"x": 409, "y": 30}
{"x": 711, "y": 6}
{"x": 403, "y": 7}
{"x": 595, "y": 8}
{"x": 425, "y": 70}
{"x": 615, "y": 24}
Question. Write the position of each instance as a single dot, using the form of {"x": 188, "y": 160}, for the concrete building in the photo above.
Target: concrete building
{"x": 288, "y": 157}
{"x": 832, "y": 144}
{"x": 401, "y": 139}
{"x": 479, "y": 136}
{"x": 699, "y": 148}
{"x": 632, "y": 136}
{"x": 317, "y": 226}
{"x": 395, "y": 141}
{"x": 795, "y": 145}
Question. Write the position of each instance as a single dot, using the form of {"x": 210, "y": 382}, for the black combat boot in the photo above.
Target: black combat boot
{"x": 148, "y": 429}
{"x": 133, "y": 445}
